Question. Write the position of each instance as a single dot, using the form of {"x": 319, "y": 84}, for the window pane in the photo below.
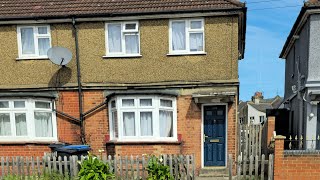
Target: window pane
{"x": 5, "y": 126}
{"x": 178, "y": 35}
{"x": 19, "y": 104}
{"x": 113, "y": 104}
{"x": 128, "y": 102}
{"x": 196, "y": 25}
{"x": 145, "y": 102}
{"x": 115, "y": 124}
{"x": 196, "y": 41}
{"x": 131, "y": 26}
{"x": 165, "y": 103}
{"x": 27, "y": 41}
{"x": 129, "y": 124}
{"x": 114, "y": 38}
{"x": 43, "y": 124}
{"x": 43, "y": 105}
{"x": 21, "y": 124}
{"x": 146, "y": 123}
{"x": 166, "y": 123}
{"x": 4, "y": 104}
{"x": 42, "y": 30}
{"x": 132, "y": 44}
{"x": 44, "y": 45}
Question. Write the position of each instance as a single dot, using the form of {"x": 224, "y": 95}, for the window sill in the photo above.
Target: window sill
{"x": 187, "y": 54}
{"x": 143, "y": 142}
{"x": 32, "y": 58}
{"x": 122, "y": 56}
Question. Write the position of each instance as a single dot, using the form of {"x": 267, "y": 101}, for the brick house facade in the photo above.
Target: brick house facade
{"x": 135, "y": 94}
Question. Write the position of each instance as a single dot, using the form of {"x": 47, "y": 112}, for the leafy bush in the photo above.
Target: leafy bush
{"x": 94, "y": 169}
{"x": 158, "y": 171}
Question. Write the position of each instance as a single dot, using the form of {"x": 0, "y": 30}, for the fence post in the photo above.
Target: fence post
{"x": 188, "y": 162}
{"x": 115, "y": 166}
{"x": 38, "y": 166}
{"x": 251, "y": 166}
{"x": 143, "y": 167}
{"x": 245, "y": 167}
{"x": 230, "y": 166}
{"x": 270, "y": 170}
{"x": 262, "y": 166}
{"x": 170, "y": 164}
{"x": 2, "y": 167}
{"x": 256, "y": 167}
{"x": 239, "y": 168}
{"x": 138, "y": 167}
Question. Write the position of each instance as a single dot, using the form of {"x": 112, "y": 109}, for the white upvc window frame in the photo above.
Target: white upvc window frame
{"x": 29, "y": 109}
{"x": 188, "y": 31}
{"x": 36, "y": 37}
{"x": 155, "y": 108}
{"x": 124, "y": 32}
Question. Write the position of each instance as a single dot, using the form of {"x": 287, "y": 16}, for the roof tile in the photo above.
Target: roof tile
{"x": 22, "y": 9}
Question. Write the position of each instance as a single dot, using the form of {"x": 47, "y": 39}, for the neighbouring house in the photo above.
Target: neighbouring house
{"x": 156, "y": 76}
{"x": 302, "y": 75}
{"x": 254, "y": 111}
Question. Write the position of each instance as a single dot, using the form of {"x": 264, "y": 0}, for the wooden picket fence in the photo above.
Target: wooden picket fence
{"x": 254, "y": 167}
{"x": 251, "y": 140}
{"x": 128, "y": 167}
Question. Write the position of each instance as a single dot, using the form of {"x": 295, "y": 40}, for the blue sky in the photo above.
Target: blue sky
{"x": 267, "y": 30}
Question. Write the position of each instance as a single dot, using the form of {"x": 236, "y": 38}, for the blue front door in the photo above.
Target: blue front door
{"x": 214, "y": 135}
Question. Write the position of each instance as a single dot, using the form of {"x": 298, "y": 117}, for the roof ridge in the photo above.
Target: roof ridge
{"x": 237, "y": 2}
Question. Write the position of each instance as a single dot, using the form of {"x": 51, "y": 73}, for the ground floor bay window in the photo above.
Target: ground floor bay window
{"x": 143, "y": 118}
{"x": 27, "y": 120}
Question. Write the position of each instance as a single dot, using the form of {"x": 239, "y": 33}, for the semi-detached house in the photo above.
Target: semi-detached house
{"x": 157, "y": 76}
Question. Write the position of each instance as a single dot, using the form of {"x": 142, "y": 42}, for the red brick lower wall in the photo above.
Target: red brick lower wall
{"x": 23, "y": 150}
{"x": 97, "y": 127}
{"x": 291, "y": 167}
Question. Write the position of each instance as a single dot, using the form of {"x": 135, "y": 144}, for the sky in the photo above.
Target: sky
{"x": 268, "y": 25}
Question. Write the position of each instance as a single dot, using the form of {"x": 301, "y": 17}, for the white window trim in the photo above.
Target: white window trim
{"x": 123, "y": 45}
{"x": 36, "y": 36}
{"x": 188, "y": 31}
{"x": 29, "y": 109}
{"x": 155, "y": 115}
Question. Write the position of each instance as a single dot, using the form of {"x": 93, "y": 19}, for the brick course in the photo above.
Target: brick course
{"x": 295, "y": 167}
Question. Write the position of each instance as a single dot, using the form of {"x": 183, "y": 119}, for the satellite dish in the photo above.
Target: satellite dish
{"x": 59, "y": 55}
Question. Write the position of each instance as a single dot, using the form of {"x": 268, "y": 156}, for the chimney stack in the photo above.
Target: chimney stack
{"x": 257, "y": 97}
{"x": 313, "y": 1}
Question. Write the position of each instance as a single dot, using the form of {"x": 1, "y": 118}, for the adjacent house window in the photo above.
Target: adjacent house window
{"x": 186, "y": 36}
{"x": 122, "y": 39}
{"x": 147, "y": 118}
{"x": 252, "y": 118}
{"x": 27, "y": 120}
{"x": 261, "y": 119}
{"x": 33, "y": 41}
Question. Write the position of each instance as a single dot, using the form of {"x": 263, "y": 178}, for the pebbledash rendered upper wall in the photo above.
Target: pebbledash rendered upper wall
{"x": 220, "y": 64}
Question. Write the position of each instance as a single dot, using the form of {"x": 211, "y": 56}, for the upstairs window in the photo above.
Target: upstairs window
{"x": 122, "y": 39}
{"x": 33, "y": 41}
{"x": 27, "y": 120}
{"x": 146, "y": 118}
{"x": 186, "y": 36}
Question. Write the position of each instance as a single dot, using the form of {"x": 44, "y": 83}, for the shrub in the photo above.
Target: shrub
{"x": 94, "y": 169}
{"x": 158, "y": 171}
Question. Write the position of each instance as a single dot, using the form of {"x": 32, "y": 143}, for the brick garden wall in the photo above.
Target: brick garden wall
{"x": 299, "y": 165}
